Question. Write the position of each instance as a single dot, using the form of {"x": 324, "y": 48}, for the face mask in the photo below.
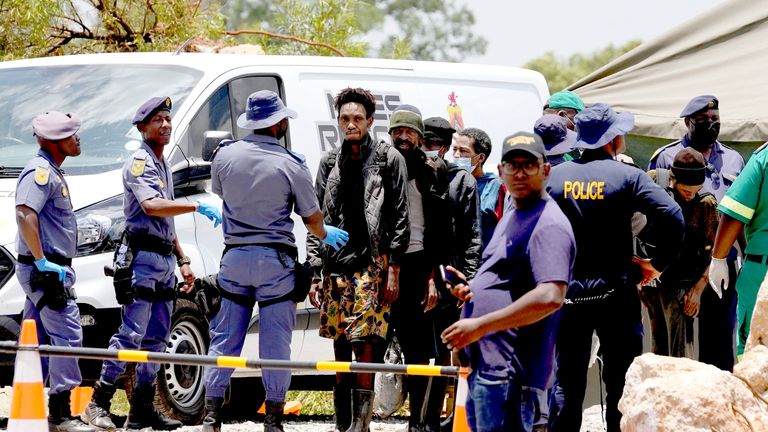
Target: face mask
{"x": 464, "y": 163}
{"x": 432, "y": 154}
{"x": 704, "y": 133}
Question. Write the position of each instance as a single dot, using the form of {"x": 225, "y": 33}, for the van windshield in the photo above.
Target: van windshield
{"x": 105, "y": 97}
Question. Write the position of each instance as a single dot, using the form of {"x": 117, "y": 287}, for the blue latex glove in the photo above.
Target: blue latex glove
{"x": 44, "y": 265}
{"x": 209, "y": 211}
{"x": 335, "y": 237}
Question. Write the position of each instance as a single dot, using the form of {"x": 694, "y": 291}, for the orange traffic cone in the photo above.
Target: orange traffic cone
{"x": 28, "y": 404}
{"x": 460, "y": 423}
{"x": 291, "y": 408}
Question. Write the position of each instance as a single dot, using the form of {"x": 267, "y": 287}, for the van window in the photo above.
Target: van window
{"x": 214, "y": 115}
{"x": 105, "y": 97}
{"x": 241, "y": 88}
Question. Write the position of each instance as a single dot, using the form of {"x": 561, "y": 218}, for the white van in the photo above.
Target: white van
{"x": 209, "y": 92}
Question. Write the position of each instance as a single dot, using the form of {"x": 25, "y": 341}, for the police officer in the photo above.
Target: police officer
{"x": 149, "y": 207}
{"x": 717, "y": 319}
{"x": 261, "y": 183}
{"x": 46, "y": 244}
{"x": 599, "y": 196}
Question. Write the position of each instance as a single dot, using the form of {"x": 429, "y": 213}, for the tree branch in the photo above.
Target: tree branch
{"x": 287, "y": 37}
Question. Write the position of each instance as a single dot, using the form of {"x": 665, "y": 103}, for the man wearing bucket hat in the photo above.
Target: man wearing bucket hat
{"x": 46, "y": 245}
{"x": 510, "y": 325}
{"x": 599, "y": 196}
{"x": 558, "y": 139}
{"x": 361, "y": 187}
{"x": 718, "y": 317}
{"x": 261, "y": 183}
{"x": 150, "y": 234}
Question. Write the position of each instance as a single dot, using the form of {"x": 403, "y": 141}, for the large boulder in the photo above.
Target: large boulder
{"x": 758, "y": 328}
{"x": 681, "y": 395}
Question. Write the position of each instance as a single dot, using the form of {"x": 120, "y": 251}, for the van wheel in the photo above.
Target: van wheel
{"x": 180, "y": 389}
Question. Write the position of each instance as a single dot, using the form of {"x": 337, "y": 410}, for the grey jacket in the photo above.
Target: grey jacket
{"x": 386, "y": 203}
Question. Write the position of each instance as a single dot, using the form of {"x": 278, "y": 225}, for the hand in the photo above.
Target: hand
{"x": 460, "y": 291}
{"x": 189, "y": 278}
{"x": 315, "y": 293}
{"x": 430, "y": 297}
{"x": 462, "y": 333}
{"x": 44, "y": 265}
{"x": 718, "y": 275}
{"x": 692, "y": 301}
{"x": 389, "y": 293}
{"x": 649, "y": 273}
{"x": 210, "y": 211}
{"x": 335, "y": 237}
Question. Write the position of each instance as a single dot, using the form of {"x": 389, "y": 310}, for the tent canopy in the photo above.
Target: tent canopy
{"x": 722, "y": 52}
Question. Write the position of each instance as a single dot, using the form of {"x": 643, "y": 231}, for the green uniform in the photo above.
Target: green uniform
{"x": 747, "y": 201}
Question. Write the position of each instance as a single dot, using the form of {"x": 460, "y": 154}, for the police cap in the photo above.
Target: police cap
{"x": 54, "y": 125}
{"x": 700, "y": 103}
{"x": 150, "y": 107}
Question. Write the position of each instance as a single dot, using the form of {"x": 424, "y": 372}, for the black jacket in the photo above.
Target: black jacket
{"x": 385, "y": 201}
{"x": 467, "y": 241}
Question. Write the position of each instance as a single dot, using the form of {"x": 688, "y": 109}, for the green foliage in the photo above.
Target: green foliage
{"x": 25, "y": 27}
{"x": 88, "y": 26}
{"x": 561, "y": 72}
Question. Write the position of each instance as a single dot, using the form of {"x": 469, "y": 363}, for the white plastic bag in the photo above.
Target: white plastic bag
{"x": 388, "y": 387}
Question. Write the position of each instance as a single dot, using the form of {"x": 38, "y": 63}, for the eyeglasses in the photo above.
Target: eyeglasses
{"x": 529, "y": 167}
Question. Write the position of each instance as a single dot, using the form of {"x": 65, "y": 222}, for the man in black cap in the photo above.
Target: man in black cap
{"x": 148, "y": 300}
{"x": 46, "y": 245}
{"x": 723, "y": 164}
{"x": 509, "y": 327}
{"x": 462, "y": 245}
{"x": 599, "y": 195}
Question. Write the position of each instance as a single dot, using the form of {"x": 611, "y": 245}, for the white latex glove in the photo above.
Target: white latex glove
{"x": 718, "y": 275}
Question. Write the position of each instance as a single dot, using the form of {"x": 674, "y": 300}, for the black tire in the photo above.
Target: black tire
{"x": 9, "y": 331}
{"x": 180, "y": 388}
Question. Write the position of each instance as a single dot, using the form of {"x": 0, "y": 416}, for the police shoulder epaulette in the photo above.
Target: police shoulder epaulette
{"x": 298, "y": 157}
{"x": 223, "y": 143}
{"x": 661, "y": 149}
{"x": 761, "y": 148}
{"x": 42, "y": 171}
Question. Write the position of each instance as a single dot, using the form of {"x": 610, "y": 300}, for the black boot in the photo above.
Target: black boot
{"x": 435, "y": 400}
{"x": 417, "y": 389}
{"x": 143, "y": 413}
{"x": 342, "y": 402}
{"x": 362, "y": 410}
{"x": 212, "y": 420}
{"x": 97, "y": 411}
{"x": 60, "y": 416}
{"x": 273, "y": 421}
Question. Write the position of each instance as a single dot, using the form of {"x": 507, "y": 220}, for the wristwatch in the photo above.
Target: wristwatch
{"x": 183, "y": 260}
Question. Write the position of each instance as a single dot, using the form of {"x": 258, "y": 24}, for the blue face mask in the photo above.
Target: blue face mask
{"x": 464, "y": 163}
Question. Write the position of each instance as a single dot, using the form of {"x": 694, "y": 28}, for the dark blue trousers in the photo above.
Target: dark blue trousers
{"x": 717, "y": 325}
{"x": 617, "y": 321}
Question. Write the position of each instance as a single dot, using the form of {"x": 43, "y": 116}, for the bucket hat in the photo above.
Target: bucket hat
{"x": 553, "y": 130}
{"x": 597, "y": 125}
{"x": 264, "y": 109}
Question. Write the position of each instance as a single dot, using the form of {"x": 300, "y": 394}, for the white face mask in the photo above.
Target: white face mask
{"x": 464, "y": 163}
{"x": 432, "y": 154}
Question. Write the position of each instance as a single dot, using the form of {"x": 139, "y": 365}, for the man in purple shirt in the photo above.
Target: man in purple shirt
{"x": 509, "y": 322}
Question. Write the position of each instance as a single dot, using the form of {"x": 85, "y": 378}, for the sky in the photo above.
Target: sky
{"x": 521, "y": 30}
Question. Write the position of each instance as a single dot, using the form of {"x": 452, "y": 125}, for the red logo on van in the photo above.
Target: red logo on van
{"x": 454, "y": 112}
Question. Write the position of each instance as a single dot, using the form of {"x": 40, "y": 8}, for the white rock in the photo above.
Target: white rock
{"x": 758, "y": 328}
{"x": 680, "y": 395}
{"x": 753, "y": 367}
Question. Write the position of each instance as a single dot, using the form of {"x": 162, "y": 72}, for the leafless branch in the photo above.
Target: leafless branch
{"x": 287, "y": 37}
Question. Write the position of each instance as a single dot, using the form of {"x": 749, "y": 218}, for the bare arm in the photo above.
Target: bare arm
{"x": 728, "y": 231}
{"x": 29, "y": 229}
{"x": 161, "y": 207}
{"x": 315, "y": 225}
{"x": 533, "y": 306}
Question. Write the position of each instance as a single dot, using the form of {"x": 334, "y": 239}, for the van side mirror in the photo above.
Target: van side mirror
{"x": 212, "y": 140}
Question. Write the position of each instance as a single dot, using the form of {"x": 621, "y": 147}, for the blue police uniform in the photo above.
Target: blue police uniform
{"x": 146, "y": 321}
{"x": 260, "y": 183}
{"x": 717, "y": 319}
{"x": 42, "y": 188}
{"x": 599, "y": 196}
